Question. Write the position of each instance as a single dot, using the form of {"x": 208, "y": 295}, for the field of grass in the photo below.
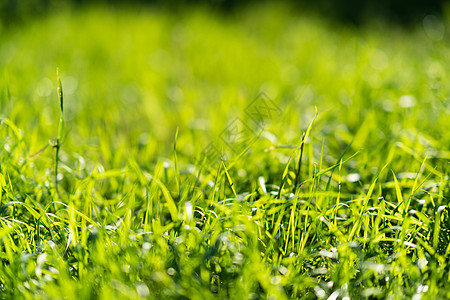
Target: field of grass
{"x": 164, "y": 183}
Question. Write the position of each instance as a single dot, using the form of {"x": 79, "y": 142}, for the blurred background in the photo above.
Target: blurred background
{"x": 134, "y": 72}
{"x": 353, "y": 11}
{"x": 150, "y": 85}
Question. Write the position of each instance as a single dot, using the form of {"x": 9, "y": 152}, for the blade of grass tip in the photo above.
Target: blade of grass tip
{"x": 2, "y": 184}
{"x": 437, "y": 225}
{"x": 284, "y": 177}
{"x": 298, "y": 161}
{"x": 414, "y": 188}
{"x": 177, "y": 169}
{"x": 230, "y": 181}
{"x": 61, "y": 106}
{"x": 300, "y": 155}
{"x": 69, "y": 240}
{"x": 442, "y": 187}
{"x": 338, "y": 199}
{"x": 169, "y": 200}
{"x": 398, "y": 193}
{"x": 58, "y": 143}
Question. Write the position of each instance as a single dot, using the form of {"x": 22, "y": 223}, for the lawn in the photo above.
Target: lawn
{"x": 268, "y": 153}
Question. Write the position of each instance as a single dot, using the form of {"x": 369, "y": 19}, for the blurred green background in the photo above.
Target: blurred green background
{"x": 133, "y": 74}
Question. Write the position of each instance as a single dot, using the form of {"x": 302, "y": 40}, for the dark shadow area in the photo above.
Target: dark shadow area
{"x": 355, "y": 12}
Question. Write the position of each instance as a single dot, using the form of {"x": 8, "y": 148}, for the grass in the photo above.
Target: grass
{"x": 341, "y": 194}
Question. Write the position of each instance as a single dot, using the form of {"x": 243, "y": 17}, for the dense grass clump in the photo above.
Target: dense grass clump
{"x": 336, "y": 187}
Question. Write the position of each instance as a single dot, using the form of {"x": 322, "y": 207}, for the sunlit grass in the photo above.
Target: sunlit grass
{"x": 343, "y": 192}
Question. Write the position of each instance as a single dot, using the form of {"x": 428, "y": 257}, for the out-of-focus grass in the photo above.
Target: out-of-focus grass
{"x": 364, "y": 216}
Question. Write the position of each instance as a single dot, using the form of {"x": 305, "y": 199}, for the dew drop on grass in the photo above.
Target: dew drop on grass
{"x": 126, "y": 268}
{"x": 372, "y": 291}
{"x": 416, "y": 297}
{"x": 353, "y": 177}
{"x": 407, "y": 101}
{"x": 334, "y": 295}
{"x": 283, "y": 270}
{"x": 171, "y": 271}
{"x": 146, "y": 246}
{"x": 320, "y": 271}
{"x": 254, "y": 211}
{"x": 320, "y": 293}
{"x": 238, "y": 258}
{"x": 422, "y": 262}
{"x": 189, "y": 212}
{"x": 142, "y": 289}
{"x": 326, "y": 253}
{"x": 353, "y": 244}
{"x": 275, "y": 280}
{"x": 239, "y": 227}
{"x": 179, "y": 240}
{"x": 376, "y": 267}
{"x": 40, "y": 263}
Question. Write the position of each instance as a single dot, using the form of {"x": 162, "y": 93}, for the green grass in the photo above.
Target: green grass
{"x": 349, "y": 201}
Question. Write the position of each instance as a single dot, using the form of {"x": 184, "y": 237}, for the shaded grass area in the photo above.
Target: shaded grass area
{"x": 346, "y": 201}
